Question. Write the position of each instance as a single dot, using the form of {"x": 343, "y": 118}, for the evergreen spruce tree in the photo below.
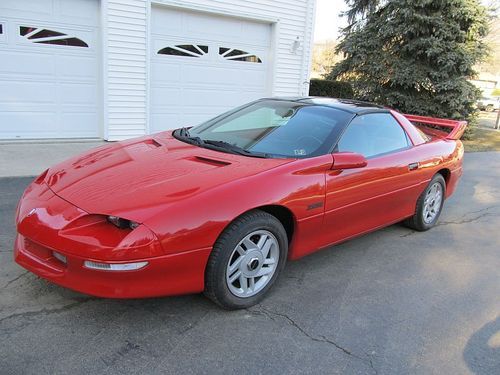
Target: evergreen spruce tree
{"x": 414, "y": 55}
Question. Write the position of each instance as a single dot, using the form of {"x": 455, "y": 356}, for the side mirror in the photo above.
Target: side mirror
{"x": 348, "y": 160}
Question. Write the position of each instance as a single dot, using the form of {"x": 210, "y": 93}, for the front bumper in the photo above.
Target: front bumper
{"x": 47, "y": 223}
{"x": 163, "y": 276}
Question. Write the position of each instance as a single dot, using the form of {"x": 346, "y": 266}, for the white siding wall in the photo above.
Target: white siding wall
{"x": 125, "y": 33}
{"x": 126, "y": 39}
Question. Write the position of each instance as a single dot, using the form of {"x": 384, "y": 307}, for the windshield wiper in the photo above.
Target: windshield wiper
{"x": 218, "y": 145}
{"x": 235, "y": 149}
{"x": 184, "y": 134}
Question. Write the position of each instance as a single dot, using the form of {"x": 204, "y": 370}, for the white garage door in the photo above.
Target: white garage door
{"x": 49, "y": 68}
{"x": 202, "y": 65}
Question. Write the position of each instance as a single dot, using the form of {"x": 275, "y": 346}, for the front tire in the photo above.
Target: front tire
{"x": 429, "y": 205}
{"x": 246, "y": 260}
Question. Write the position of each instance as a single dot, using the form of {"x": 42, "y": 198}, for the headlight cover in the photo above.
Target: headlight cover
{"x": 122, "y": 223}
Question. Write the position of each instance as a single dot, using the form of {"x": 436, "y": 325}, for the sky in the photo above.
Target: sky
{"x": 328, "y": 20}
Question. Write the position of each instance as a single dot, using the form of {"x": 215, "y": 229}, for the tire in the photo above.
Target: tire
{"x": 489, "y": 108}
{"x": 233, "y": 253}
{"x": 423, "y": 219}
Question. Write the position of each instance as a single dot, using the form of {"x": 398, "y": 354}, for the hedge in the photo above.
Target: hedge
{"x": 332, "y": 89}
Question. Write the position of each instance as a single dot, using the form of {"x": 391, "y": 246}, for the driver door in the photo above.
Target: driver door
{"x": 363, "y": 199}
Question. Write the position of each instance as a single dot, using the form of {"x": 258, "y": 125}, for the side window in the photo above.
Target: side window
{"x": 373, "y": 134}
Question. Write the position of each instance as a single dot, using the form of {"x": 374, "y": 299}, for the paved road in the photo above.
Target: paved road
{"x": 391, "y": 302}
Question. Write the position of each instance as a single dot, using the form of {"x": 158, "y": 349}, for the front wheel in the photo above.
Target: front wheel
{"x": 429, "y": 205}
{"x": 246, "y": 260}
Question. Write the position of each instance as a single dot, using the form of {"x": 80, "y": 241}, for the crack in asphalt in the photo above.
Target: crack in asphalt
{"x": 122, "y": 352}
{"x": 411, "y": 233}
{"x": 372, "y": 366}
{"x": 463, "y": 221}
{"x": 191, "y": 326}
{"x": 322, "y": 339}
{"x": 14, "y": 279}
{"x": 44, "y": 311}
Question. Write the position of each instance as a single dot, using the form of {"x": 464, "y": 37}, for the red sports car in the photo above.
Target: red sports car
{"x": 220, "y": 207}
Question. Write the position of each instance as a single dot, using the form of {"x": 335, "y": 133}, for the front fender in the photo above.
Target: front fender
{"x": 198, "y": 221}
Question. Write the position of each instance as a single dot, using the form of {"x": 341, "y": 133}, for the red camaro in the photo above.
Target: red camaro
{"x": 221, "y": 206}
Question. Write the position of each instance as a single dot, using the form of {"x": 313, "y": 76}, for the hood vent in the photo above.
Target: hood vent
{"x": 152, "y": 143}
{"x": 210, "y": 161}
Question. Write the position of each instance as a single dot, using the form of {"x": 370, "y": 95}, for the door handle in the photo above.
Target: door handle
{"x": 412, "y": 166}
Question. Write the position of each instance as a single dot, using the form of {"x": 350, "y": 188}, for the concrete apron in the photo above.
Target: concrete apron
{"x": 30, "y": 158}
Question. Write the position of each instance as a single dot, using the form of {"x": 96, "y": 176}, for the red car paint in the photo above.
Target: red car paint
{"x": 184, "y": 196}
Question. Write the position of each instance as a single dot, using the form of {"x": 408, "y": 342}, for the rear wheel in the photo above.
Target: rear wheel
{"x": 246, "y": 260}
{"x": 429, "y": 205}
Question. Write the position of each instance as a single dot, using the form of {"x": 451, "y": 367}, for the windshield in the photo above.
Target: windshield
{"x": 272, "y": 128}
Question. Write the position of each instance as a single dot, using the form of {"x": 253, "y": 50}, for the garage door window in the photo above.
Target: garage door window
{"x": 187, "y": 50}
{"x": 45, "y": 36}
{"x": 238, "y": 55}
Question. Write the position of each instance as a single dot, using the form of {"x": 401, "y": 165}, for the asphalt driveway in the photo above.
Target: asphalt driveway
{"x": 391, "y": 302}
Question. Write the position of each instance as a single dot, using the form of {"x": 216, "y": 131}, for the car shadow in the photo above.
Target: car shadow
{"x": 482, "y": 352}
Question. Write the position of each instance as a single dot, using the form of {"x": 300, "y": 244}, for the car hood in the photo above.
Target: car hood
{"x": 137, "y": 179}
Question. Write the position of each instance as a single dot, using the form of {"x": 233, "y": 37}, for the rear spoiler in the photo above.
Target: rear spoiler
{"x": 434, "y": 126}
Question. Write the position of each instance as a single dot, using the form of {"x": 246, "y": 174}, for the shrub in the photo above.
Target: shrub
{"x": 415, "y": 55}
{"x": 332, "y": 89}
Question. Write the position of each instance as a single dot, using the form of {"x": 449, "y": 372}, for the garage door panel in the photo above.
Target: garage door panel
{"x": 207, "y": 97}
{"x": 84, "y": 123}
{"x": 214, "y": 97}
{"x": 190, "y": 90}
{"x": 223, "y": 76}
{"x": 165, "y": 73}
{"x": 168, "y": 120}
{"x": 85, "y": 10}
{"x": 14, "y": 63}
{"x": 49, "y": 90}
{"x": 170, "y": 22}
{"x": 212, "y": 75}
{"x": 76, "y": 67}
{"x": 40, "y": 8}
{"x": 22, "y": 123}
{"x": 193, "y": 119}
{"x": 165, "y": 22}
{"x": 166, "y": 97}
{"x": 33, "y": 93}
{"x": 171, "y": 121}
{"x": 260, "y": 33}
{"x": 77, "y": 94}
{"x": 199, "y": 24}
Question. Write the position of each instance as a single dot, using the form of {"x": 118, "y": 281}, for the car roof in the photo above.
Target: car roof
{"x": 348, "y": 105}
